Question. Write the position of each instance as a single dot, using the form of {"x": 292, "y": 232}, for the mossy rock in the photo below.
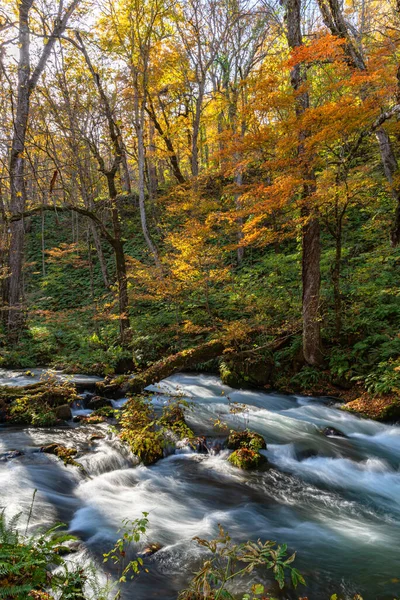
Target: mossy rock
{"x": 63, "y": 453}
{"x": 246, "y": 439}
{"x": 246, "y": 459}
{"x": 247, "y": 373}
{"x": 37, "y": 404}
{"x": 148, "y": 446}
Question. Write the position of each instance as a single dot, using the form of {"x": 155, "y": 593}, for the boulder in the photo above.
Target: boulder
{"x": 69, "y": 547}
{"x": 96, "y": 436}
{"x": 98, "y": 402}
{"x": 332, "y": 432}
{"x": 250, "y": 372}
{"x": 51, "y": 448}
{"x": 245, "y": 458}
{"x": 3, "y": 411}
{"x": 246, "y": 439}
{"x": 63, "y": 453}
{"x": 150, "y": 550}
{"x": 10, "y": 455}
{"x": 63, "y": 412}
{"x": 306, "y": 453}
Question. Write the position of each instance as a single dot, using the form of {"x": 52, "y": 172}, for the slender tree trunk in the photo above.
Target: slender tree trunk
{"x": 391, "y": 170}
{"x": 196, "y": 130}
{"x": 120, "y": 263}
{"x": 337, "y": 296}
{"x": 17, "y": 172}
{"x": 151, "y": 167}
{"x": 238, "y": 204}
{"x": 172, "y": 156}
{"x": 26, "y": 84}
{"x": 125, "y": 177}
{"x": 311, "y": 277}
{"x": 139, "y": 126}
{"x": 90, "y": 261}
{"x": 100, "y": 255}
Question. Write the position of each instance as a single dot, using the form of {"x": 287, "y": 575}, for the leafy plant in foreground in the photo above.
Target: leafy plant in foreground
{"x": 230, "y": 561}
{"x": 132, "y": 532}
{"x": 26, "y": 561}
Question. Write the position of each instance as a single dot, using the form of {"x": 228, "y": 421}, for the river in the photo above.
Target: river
{"x": 335, "y": 500}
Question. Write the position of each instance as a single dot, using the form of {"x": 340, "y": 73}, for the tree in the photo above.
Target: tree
{"x": 311, "y": 277}
{"x": 27, "y": 82}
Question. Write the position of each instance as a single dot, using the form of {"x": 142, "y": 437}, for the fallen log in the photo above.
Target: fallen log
{"x": 183, "y": 360}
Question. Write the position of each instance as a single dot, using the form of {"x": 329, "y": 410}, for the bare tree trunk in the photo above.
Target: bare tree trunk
{"x": 172, "y": 156}
{"x": 238, "y": 204}
{"x": 26, "y": 84}
{"x": 17, "y": 172}
{"x": 100, "y": 255}
{"x": 196, "y": 130}
{"x": 311, "y": 277}
{"x": 120, "y": 263}
{"x": 391, "y": 169}
{"x": 110, "y": 174}
{"x": 89, "y": 245}
{"x": 151, "y": 167}
{"x": 337, "y": 296}
{"x": 125, "y": 178}
{"x": 139, "y": 125}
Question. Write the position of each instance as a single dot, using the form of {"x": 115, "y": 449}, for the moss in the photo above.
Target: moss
{"x": 106, "y": 411}
{"x": 247, "y": 372}
{"x": 138, "y": 430}
{"x": 148, "y": 446}
{"x": 173, "y": 418}
{"x": 246, "y": 458}
{"x": 63, "y": 453}
{"x": 36, "y": 404}
{"x": 233, "y": 378}
{"x": 246, "y": 439}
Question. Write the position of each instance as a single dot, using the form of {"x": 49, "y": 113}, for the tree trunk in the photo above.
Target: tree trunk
{"x": 311, "y": 277}
{"x": 177, "y": 362}
{"x": 125, "y": 178}
{"x": 100, "y": 255}
{"x": 17, "y": 172}
{"x": 139, "y": 125}
{"x": 151, "y": 167}
{"x": 391, "y": 169}
{"x": 337, "y": 296}
{"x": 26, "y": 84}
{"x": 196, "y": 130}
{"x": 311, "y": 287}
{"x": 172, "y": 156}
{"x": 120, "y": 263}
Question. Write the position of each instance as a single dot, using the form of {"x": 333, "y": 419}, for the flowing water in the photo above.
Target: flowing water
{"x": 335, "y": 500}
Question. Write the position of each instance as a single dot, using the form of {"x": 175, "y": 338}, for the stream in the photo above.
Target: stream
{"x": 335, "y": 500}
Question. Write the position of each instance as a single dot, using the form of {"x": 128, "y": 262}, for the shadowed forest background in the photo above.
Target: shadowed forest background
{"x": 178, "y": 172}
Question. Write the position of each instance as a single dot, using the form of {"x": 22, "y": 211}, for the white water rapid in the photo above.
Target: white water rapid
{"x": 335, "y": 500}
